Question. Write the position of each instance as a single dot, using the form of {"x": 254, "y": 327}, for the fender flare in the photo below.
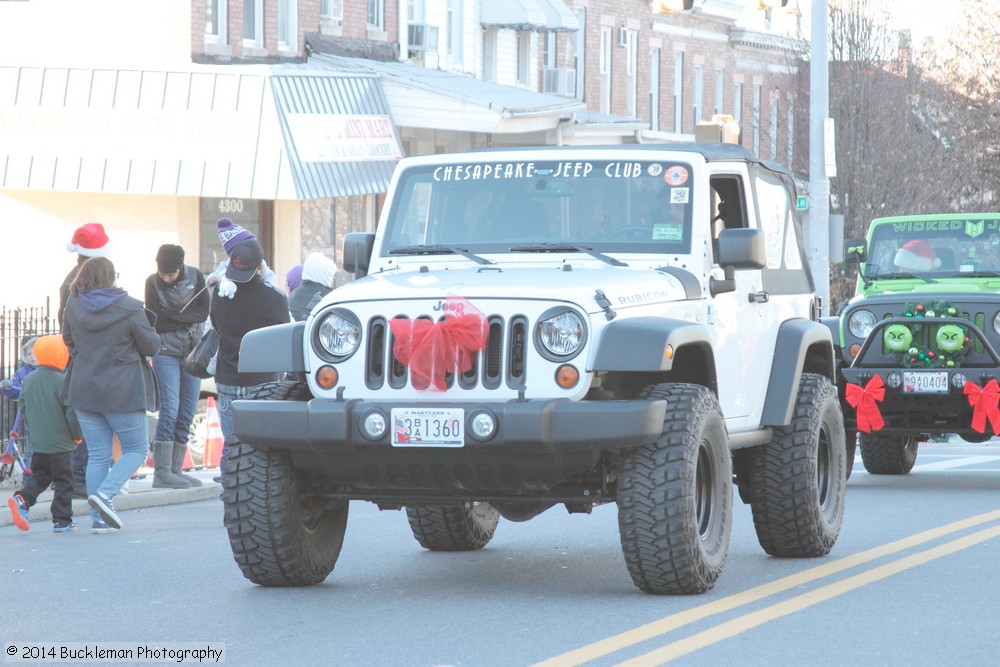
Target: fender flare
{"x": 639, "y": 343}
{"x": 274, "y": 349}
{"x": 803, "y": 346}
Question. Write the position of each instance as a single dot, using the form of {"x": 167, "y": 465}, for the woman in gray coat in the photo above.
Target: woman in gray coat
{"x": 108, "y": 336}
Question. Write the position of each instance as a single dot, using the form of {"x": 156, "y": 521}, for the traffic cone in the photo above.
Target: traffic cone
{"x": 213, "y": 436}
{"x": 188, "y": 463}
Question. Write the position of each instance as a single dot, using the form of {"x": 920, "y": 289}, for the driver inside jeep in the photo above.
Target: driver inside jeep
{"x": 916, "y": 257}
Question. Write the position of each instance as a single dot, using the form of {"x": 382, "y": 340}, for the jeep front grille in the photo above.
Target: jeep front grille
{"x": 502, "y": 361}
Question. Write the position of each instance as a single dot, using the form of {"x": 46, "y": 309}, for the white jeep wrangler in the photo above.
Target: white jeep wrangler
{"x": 542, "y": 326}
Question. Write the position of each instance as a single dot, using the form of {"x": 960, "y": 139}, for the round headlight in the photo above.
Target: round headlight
{"x": 339, "y": 336}
{"x": 996, "y": 323}
{"x": 861, "y": 323}
{"x": 562, "y": 334}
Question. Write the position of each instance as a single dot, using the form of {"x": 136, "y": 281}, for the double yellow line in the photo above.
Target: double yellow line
{"x": 682, "y": 647}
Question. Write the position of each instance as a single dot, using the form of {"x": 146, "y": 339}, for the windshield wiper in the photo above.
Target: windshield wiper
{"x": 895, "y": 276}
{"x": 566, "y": 247}
{"x": 439, "y": 249}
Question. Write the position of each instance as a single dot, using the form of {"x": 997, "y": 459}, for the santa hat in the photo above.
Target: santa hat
{"x": 90, "y": 240}
{"x": 230, "y": 234}
{"x": 917, "y": 256}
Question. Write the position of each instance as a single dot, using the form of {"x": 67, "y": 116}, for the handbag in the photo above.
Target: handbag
{"x": 200, "y": 362}
{"x": 151, "y": 384}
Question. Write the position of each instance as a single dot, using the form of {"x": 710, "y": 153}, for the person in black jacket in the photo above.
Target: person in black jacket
{"x": 318, "y": 272}
{"x": 254, "y": 305}
{"x": 108, "y": 337}
{"x": 177, "y": 305}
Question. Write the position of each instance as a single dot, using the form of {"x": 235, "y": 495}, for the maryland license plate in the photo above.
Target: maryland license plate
{"x": 925, "y": 382}
{"x": 428, "y": 427}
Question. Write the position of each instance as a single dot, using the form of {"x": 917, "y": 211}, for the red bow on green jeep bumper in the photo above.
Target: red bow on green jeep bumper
{"x": 984, "y": 405}
{"x": 865, "y": 401}
{"x": 433, "y": 349}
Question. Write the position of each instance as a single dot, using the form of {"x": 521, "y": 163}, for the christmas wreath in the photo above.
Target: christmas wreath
{"x": 950, "y": 344}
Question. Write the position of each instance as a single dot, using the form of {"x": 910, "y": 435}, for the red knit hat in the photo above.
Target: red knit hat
{"x": 917, "y": 256}
{"x": 90, "y": 240}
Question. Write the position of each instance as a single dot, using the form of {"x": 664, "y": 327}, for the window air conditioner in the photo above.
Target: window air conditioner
{"x": 422, "y": 37}
{"x": 559, "y": 81}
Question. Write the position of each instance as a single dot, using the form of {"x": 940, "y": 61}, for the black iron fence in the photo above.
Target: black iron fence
{"x": 16, "y": 325}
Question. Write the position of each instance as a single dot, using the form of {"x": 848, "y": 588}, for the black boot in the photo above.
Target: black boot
{"x": 163, "y": 478}
{"x": 177, "y": 467}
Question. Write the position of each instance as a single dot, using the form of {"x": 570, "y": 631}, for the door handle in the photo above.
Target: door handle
{"x": 759, "y": 297}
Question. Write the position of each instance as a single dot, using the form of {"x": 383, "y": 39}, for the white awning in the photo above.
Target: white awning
{"x": 558, "y": 17}
{"x": 257, "y": 132}
{"x": 513, "y": 15}
{"x": 422, "y": 97}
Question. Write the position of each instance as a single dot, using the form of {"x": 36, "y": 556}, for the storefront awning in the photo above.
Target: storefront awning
{"x": 257, "y": 132}
{"x": 421, "y": 97}
{"x": 558, "y": 17}
{"x": 513, "y": 15}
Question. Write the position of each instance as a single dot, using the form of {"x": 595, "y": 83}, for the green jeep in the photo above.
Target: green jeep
{"x": 917, "y": 353}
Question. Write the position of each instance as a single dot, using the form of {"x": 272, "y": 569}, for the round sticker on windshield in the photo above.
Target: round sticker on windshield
{"x": 655, "y": 169}
{"x": 676, "y": 175}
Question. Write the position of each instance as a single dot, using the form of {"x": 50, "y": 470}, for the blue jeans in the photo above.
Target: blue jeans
{"x": 179, "y": 392}
{"x": 99, "y": 429}
{"x": 227, "y": 394}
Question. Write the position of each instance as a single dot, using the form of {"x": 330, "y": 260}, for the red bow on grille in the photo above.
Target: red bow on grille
{"x": 866, "y": 402}
{"x": 432, "y": 349}
{"x": 984, "y": 405}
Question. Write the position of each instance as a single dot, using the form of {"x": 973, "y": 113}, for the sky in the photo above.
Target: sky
{"x": 926, "y": 18}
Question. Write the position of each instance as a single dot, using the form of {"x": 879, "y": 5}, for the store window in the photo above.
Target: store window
{"x": 252, "y": 214}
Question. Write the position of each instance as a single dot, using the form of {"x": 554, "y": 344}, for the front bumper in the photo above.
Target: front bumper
{"x": 327, "y": 425}
{"x": 542, "y": 451}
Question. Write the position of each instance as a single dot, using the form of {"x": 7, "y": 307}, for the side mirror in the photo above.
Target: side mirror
{"x": 358, "y": 248}
{"x": 742, "y": 249}
{"x": 855, "y": 251}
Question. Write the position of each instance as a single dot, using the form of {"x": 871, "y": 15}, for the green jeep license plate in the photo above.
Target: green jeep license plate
{"x": 925, "y": 382}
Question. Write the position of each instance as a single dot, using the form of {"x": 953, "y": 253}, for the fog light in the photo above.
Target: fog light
{"x": 327, "y": 376}
{"x": 958, "y": 380}
{"x": 374, "y": 425}
{"x": 894, "y": 380}
{"x": 482, "y": 425}
{"x": 853, "y": 350}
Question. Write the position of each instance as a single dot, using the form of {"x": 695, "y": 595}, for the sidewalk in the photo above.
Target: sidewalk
{"x": 140, "y": 494}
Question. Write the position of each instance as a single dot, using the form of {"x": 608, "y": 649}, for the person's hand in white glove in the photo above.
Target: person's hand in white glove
{"x": 6, "y": 385}
{"x": 227, "y": 287}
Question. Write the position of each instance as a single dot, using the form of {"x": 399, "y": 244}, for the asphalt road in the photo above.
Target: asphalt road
{"x": 912, "y": 581}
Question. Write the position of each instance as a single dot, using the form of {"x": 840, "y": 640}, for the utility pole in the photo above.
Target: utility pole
{"x": 818, "y": 231}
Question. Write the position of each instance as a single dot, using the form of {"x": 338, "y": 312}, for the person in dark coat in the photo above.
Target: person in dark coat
{"x": 254, "y": 305}
{"x": 55, "y": 433}
{"x": 177, "y": 305}
{"x": 108, "y": 336}
{"x": 317, "y": 281}
{"x": 89, "y": 240}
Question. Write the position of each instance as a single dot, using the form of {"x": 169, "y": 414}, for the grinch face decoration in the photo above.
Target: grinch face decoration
{"x": 897, "y": 337}
{"x": 950, "y": 338}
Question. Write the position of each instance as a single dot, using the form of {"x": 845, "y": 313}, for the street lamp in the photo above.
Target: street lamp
{"x": 669, "y": 6}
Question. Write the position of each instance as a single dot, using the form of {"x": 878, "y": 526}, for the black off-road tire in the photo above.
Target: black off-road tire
{"x": 888, "y": 454}
{"x": 453, "y": 528}
{"x": 279, "y": 536}
{"x": 798, "y": 481}
{"x": 675, "y": 496}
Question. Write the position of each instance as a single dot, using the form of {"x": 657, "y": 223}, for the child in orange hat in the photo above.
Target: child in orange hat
{"x": 54, "y": 433}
